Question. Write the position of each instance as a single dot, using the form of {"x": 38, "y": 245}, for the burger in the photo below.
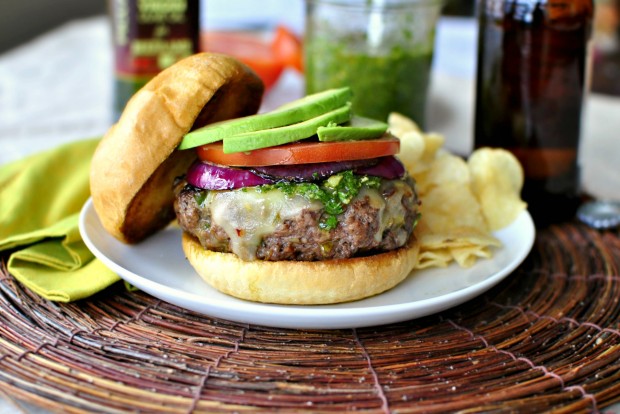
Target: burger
{"x": 268, "y": 213}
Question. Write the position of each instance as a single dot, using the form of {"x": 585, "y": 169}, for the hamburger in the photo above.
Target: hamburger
{"x": 280, "y": 207}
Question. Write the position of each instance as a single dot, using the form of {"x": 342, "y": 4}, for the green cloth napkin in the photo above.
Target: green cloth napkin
{"x": 40, "y": 200}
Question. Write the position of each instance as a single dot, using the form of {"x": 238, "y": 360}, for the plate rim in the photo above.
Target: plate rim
{"x": 398, "y": 311}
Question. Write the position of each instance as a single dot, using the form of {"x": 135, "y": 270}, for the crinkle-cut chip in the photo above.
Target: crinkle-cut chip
{"x": 461, "y": 201}
{"x": 412, "y": 148}
{"x": 399, "y": 124}
{"x": 462, "y": 237}
{"x": 434, "y": 258}
{"x": 451, "y": 206}
{"x": 467, "y": 256}
{"x": 422, "y": 184}
{"x": 433, "y": 143}
{"x": 464, "y": 245}
{"x": 452, "y": 227}
{"x": 432, "y": 149}
{"x": 497, "y": 180}
{"x": 446, "y": 168}
{"x": 417, "y": 149}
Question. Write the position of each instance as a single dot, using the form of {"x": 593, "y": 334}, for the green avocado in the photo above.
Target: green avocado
{"x": 358, "y": 128}
{"x": 283, "y": 135}
{"x": 299, "y": 110}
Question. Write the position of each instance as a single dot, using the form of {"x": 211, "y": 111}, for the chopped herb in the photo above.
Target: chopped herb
{"x": 200, "y": 197}
{"x": 330, "y": 222}
{"x": 335, "y": 193}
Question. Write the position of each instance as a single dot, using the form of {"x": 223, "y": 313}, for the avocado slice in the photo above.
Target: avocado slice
{"x": 299, "y": 110}
{"x": 358, "y": 128}
{"x": 283, "y": 135}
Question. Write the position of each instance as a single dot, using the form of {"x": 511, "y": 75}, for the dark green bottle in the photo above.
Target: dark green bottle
{"x": 149, "y": 36}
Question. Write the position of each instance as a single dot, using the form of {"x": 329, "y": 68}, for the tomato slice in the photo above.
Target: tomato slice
{"x": 288, "y": 48}
{"x": 249, "y": 49}
{"x": 301, "y": 152}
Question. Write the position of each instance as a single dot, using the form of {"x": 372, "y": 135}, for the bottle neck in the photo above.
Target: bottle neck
{"x": 530, "y": 11}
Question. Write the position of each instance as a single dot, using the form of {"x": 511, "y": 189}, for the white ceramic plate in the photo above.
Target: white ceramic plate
{"x": 158, "y": 267}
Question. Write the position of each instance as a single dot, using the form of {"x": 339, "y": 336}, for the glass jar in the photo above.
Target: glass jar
{"x": 382, "y": 49}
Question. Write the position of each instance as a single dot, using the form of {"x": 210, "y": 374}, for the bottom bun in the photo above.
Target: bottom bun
{"x": 301, "y": 283}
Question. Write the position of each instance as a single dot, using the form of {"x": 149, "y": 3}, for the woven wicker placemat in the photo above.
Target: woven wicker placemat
{"x": 547, "y": 338}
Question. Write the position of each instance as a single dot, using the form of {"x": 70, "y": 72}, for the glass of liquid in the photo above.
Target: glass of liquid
{"x": 382, "y": 49}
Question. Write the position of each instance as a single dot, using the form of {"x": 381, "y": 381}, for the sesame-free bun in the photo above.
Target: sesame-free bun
{"x": 136, "y": 162}
{"x": 299, "y": 282}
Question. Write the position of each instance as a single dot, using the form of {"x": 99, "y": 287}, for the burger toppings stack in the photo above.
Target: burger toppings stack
{"x": 336, "y": 192}
{"x": 305, "y": 204}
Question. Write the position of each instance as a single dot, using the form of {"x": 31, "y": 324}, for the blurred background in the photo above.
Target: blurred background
{"x": 22, "y": 21}
{"x": 56, "y": 72}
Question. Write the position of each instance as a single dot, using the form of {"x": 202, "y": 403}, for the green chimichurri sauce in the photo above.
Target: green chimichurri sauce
{"x": 394, "y": 80}
{"x": 335, "y": 193}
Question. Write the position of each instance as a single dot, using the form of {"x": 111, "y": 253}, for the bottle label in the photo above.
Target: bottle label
{"x": 150, "y": 35}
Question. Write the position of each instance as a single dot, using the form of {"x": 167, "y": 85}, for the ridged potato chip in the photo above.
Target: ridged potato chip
{"x": 450, "y": 207}
{"x": 497, "y": 180}
{"x": 417, "y": 149}
{"x": 445, "y": 168}
{"x": 462, "y": 201}
{"x": 434, "y": 258}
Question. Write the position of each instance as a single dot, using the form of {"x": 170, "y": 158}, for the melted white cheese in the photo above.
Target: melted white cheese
{"x": 391, "y": 211}
{"x": 248, "y": 215}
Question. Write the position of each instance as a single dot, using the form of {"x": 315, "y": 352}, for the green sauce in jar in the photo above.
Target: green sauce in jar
{"x": 397, "y": 80}
{"x": 382, "y": 49}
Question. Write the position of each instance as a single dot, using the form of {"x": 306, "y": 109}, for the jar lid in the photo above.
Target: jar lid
{"x": 600, "y": 214}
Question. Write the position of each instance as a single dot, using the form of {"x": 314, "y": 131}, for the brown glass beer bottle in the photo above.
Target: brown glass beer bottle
{"x": 531, "y": 80}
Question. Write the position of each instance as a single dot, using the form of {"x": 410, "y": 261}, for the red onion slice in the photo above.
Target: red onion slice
{"x": 310, "y": 172}
{"x": 218, "y": 177}
{"x": 388, "y": 167}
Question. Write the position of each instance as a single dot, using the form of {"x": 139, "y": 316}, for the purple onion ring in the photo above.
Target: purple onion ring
{"x": 219, "y": 177}
{"x": 388, "y": 167}
{"x": 310, "y": 172}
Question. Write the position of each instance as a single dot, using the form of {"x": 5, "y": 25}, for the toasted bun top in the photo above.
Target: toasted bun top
{"x": 134, "y": 166}
{"x": 301, "y": 282}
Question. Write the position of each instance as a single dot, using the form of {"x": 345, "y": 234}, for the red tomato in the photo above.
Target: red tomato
{"x": 288, "y": 49}
{"x": 249, "y": 49}
{"x": 301, "y": 152}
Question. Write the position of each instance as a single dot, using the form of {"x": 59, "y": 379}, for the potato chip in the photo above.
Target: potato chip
{"x": 497, "y": 179}
{"x": 463, "y": 237}
{"x": 462, "y": 201}
{"x": 412, "y": 148}
{"x": 446, "y": 168}
{"x": 451, "y": 206}
{"x": 434, "y": 258}
{"x": 438, "y": 250}
{"x": 399, "y": 124}
{"x": 452, "y": 227}
{"x": 433, "y": 143}
{"x": 467, "y": 256}
{"x": 417, "y": 149}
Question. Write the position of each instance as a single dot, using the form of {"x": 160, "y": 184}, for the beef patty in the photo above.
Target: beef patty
{"x": 272, "y": 225}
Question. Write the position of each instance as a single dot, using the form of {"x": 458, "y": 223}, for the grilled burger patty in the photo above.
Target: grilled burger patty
{"x": 269, "y": 224}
